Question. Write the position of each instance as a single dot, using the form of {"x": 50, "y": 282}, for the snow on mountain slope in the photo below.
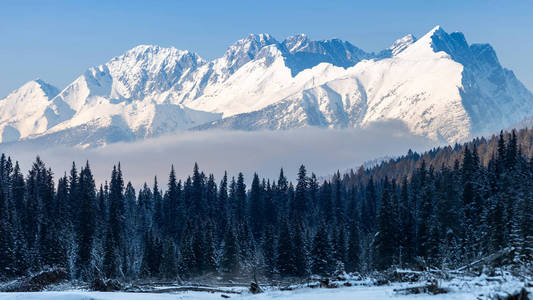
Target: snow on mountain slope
{"x": 439, "y": 85}
{"x": 261, "y": 82}
{"x": 22, "y": 111}
{"x": 301, "y": 53}
{"x": 492, "y": 96}
{"x": 131, "y": 91}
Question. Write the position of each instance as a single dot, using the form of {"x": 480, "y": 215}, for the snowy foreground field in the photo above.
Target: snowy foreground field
{"x": 465, "y": 288}
{"x": 382, "y": 292}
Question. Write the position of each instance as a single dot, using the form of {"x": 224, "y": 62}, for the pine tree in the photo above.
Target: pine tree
{"x": 269, "y": 210}
{"x": 321, "y": 252}
{"x": 169, "y": 266}
{"x": 299, "y": 253}
{"x": 198, "y": 248}
{"x": 111, "y": 259}
{"x": 147, "y": 264}
{"x": 211, "y": 198}
{"x": 209, "y": 255}
{"x": 197, "y": 201}
{"x": 256, "y": 207}
{"x": 299, "y": 208}
{"x": 158, "y": 206}
{"x": 424, "y": 214}
{"x": 285, "y": 261}
{"x": 7, "y": 241}
{"x": 152, "y": 254}
{"x": 115, "y": 239}
{"x": 384, "y": 240}
{"x": 326, "y": 202}
{"x": 269, "y": 253}
{"x": 222, "y": 206}
{"x": 187, "y": 261}
{"x": 339, "y": 199}
{"x": 19, "y": 218}
{"x": 368, "y": 210}
{"x": 240, "y": 198}
{"x": 172, "y": 206}
{"x": 340, "y": 247}
{"x": 73, "y": 190}
{"x": 229, "y": 264}
{"x": 87, "y": 223}
{"x": 52, "y": 252}
{"x": 353, "y": 254}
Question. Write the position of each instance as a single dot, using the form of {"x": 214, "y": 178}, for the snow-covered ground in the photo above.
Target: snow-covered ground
{"x": 382, "y": 292}
{"x": 465, "y": 288}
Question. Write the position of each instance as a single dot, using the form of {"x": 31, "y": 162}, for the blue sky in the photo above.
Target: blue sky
{"x": 58, "y": 40}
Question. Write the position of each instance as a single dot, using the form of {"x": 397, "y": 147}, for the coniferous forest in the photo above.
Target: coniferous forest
{"x": 441, "y": 209}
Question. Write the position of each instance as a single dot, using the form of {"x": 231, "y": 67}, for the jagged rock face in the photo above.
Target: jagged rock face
{"x": 439, "y": 85}
{"x": 22, "y": 112}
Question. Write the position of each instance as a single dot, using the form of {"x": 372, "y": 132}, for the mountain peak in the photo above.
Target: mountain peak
{"x": 401, "y": 44}
{"x": 244, "y": 50}
{"x": 260, "y": 37}
{"x": 423, "y": 47}
{"x": 152, "y": 90}
{"x": 295, "y": 42}
{"x": 49, "y": 90}
{"x": 252, "y": 41}
{"x": 36, "y": 86}
{"x": 152, "y": 51}
{"x": 435, "y": 29}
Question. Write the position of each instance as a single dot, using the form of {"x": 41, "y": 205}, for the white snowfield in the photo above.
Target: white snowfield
{"x": 374, "y": 293}
{"x": 459, "y": 287}
{"x": 348, "y": 293}
{"x": 439, "y": 85}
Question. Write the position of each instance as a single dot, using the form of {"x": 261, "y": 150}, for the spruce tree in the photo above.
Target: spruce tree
{"x": 7, "y": 241}
{"x": 209, "y": 250}
{"x": 299, "y": 208}
{"x": 353, "y": 253}
{"x": 172, "y": 206}
{"x": 285, "y": 261}
{"x": 321, "y": 253}
{"x": 187, "y": 262}
{"x": 269, "y": 252}
{"x": 340, "y": 247}
{"x": 299, "y": 253}
{"x": 87, "y": 223}
{"x": 197, "y": 201}
{"x": 240, "y": 198}
{"x": 384, "y": 240}
{"x": 256, "y": 207}
{"x": 229, "y": 264}
{"x": 158, "y": 206}
{"x": 115, "y": 239}
{"x": 169, "y": 265}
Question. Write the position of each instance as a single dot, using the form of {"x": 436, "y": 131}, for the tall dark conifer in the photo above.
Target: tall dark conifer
{"x": 385, "y": 240}
{"x": 256, "y": 207}
{"x": 86, "y": 223}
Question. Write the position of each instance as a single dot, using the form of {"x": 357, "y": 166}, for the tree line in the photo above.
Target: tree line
{"x": 199, "y": 227}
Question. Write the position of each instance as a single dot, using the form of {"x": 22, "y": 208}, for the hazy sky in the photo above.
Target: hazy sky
{"x": 322, "y": 151}
{"x": 58, "y": 40}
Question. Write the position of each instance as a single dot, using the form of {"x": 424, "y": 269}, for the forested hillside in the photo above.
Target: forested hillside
{"x": 441, "y": 209}
{"x": 448, "y": 156}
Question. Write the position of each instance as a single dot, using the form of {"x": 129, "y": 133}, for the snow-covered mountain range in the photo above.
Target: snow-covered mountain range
{"x": 439, "y": 85}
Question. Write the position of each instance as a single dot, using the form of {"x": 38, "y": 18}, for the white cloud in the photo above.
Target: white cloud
{"x": 322, "y": 151}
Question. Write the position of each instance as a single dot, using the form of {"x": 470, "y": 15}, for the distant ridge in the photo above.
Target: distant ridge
{"x": 440, "y": 86}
